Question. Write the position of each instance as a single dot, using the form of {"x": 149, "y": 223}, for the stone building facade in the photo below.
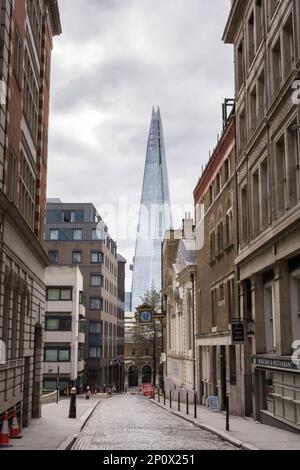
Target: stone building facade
{"x": 75, "y": 234}
{"x": 179, "y": 267}
{"x": 220, "y": 371}
{"x": 27, "y": 30}
{"x": 266, "y": 40}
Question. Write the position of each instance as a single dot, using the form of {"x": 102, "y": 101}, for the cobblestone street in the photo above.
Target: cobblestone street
{"x": 126, "y": 422}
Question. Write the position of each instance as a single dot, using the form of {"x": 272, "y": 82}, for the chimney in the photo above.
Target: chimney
{"x": 187, "y": 226}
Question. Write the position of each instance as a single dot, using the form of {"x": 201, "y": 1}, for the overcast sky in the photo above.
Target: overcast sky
{"x": 114, "y": 61}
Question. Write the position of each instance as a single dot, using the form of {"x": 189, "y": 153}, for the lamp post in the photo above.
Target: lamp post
{"x": 72, "y": 411}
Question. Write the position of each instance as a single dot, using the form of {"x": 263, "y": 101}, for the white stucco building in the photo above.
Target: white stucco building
{"x": 64, "y": 327}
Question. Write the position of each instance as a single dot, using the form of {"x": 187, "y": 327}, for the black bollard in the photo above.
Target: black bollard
{"x": 195, "y": 405}
{"x": 158, "y": 396}
{"x": 170, "y": 398}
{"x": 227, "y": 412}
{"x": 72, "y": 411}
{"x": 178, "y": 400}
{"x": 187, "y": 402}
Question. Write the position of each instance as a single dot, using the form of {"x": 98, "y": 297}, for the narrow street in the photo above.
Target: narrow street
{"x": 129, "y": 422}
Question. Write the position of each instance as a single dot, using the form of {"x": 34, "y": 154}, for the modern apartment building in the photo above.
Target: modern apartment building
{"x": 179, "y": 269}
{"x": 27, "y": 31}
{"x": 64, "y": 335}
{"x": 266, "y": 40}
{"x": 76, "y": 235}
{"x": 220, "y": 372}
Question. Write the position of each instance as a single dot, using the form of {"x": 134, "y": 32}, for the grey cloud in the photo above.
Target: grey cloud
{"x": 117, "y": 58}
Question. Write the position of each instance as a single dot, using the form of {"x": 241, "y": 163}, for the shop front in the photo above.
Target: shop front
{"x": 277, "y": 392}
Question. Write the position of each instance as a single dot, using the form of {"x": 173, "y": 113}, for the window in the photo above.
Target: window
{"x": 146, "y": 351}
{"x": 96, "y": 303}
{"x": 214, "y": 307}
{"x": 27, "y": 190}
{"x": 220, "y": 239}
{"x": 56, "y": 354}
{"x": 211, "y": 194}
{"x": 269, "y": 312}
{"x": 253, "y": 110}
{"x": 251, "y": 43}
{"x": 221, "y": 293}
{"x": 12, "y": 177}
{"x": 259, "y": 22}
{"x": 244, "y": 216}
{"x": 96, "y": 234}
{"x": 53, "y": 234}
{"x": 264, "y": 189}
{"x": 240, "y": 65}
{"x": 96, "y": 280}
{"x": 230, "y": 296}
{"x": 255, "y": 204}
{"x": 18, "y": 57}
{"x": 58, "y": 323}
{"x": 35, "y": 18}
{"x": 226, "y": 170}
{"x": 243, "y": 130}
{"x": 280, "y": 176}
{"x": 95, "y": 333}
{"x": 73, "y": 216}
{"x": 80, "y": 352}
{"x": 77, "y": 257}
{"x": 53, "y": 256}
{"x": 77, "y": 234}
{"x": 295, "y": 304}
{"x": 292, "y": 165}
{"x": 30, "y": 97}
{"x": 59, "y": 293}
{"x": 229, "y": 228}
{"x": 218, "y": 183}
{"x": 53, "y": 216}
{"x": 95, "y": 352}
{"x": 276, "y": 68}
{"x": 232, "y": 364}
{"x": 261, "y": 98}
{"x": 212, "y": 245}
{"x": 96, "y": 257}
{"x": 288, "y": 47}
{"x": 133, "y": 351}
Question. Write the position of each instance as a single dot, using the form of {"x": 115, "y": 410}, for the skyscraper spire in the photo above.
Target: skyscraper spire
{"x": 154, "y": 217}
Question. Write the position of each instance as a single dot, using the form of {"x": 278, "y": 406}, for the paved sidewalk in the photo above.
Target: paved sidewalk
{"x": 244, "y": 432}
{"x": 55, "y": 430}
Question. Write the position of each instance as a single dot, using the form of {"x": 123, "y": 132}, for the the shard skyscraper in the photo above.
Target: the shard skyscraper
{"x": 154, "y": 217}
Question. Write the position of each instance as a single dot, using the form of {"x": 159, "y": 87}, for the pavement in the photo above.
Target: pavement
{"x": 55, "y": 430}
{"x": 245, "y": 433}
{"x": 131, "y": 423}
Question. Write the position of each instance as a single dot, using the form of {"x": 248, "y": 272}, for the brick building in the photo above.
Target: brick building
{"x": 266, "y": 40}
{"x": 219, "y": 366}
{"x": 27, "y": 30}
{"x": 75, "y": 234}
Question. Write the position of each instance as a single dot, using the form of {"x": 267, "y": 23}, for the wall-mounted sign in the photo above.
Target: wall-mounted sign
{"x": 238, "y": 331}
{"x": 274, "y": 363}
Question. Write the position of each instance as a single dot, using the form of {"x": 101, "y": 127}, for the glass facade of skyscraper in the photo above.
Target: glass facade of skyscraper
{"x": 154, "y": 217}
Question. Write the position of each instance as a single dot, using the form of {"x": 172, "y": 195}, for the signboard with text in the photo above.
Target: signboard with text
{"x": 213, "y": 403}
{"x": 238, "y": 331}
